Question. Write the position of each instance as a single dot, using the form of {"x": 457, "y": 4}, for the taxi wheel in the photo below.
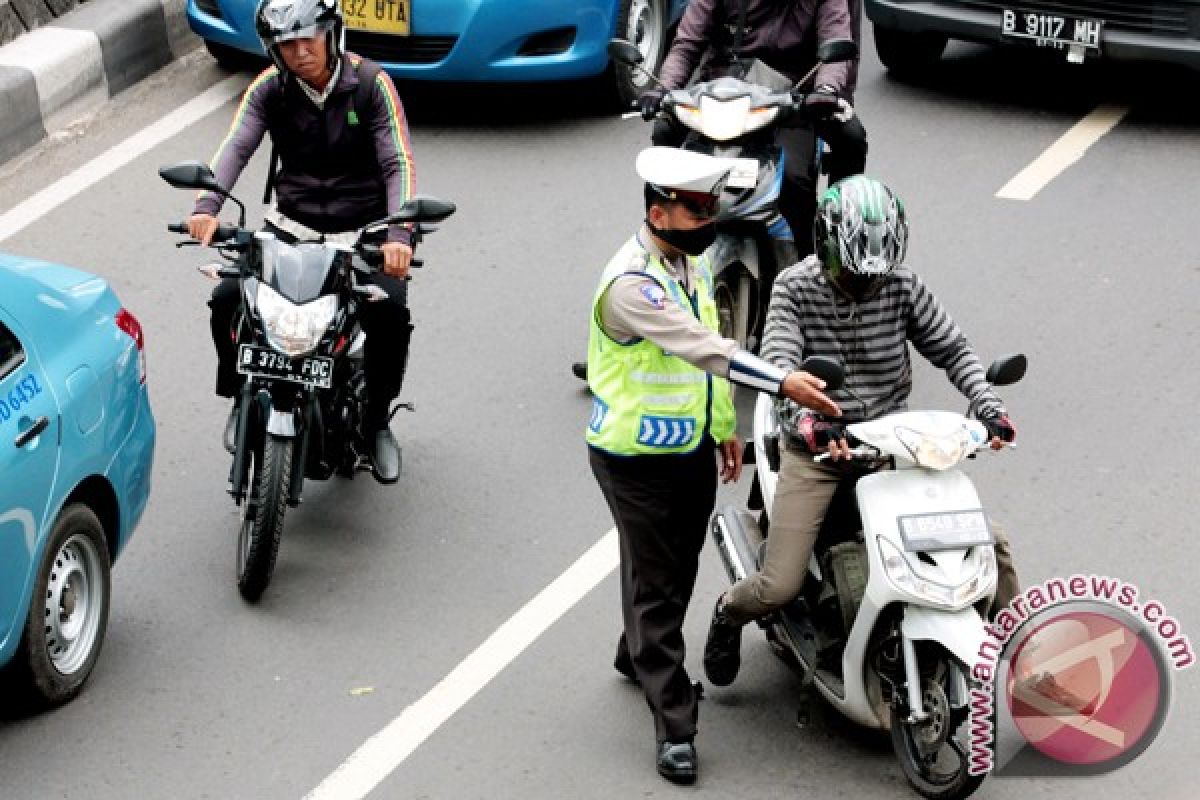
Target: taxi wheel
{"x": 68, "y": 614}
{"x": 643, "y": 22}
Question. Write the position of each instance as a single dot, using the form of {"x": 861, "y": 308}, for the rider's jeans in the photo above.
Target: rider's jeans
{"x": 802, "y": 497}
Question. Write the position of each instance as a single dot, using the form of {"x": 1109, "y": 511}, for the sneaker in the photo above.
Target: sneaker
{"x": 723, "y": 648}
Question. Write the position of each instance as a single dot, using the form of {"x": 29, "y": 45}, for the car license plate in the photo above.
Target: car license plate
{"x": 310, "y": 370}
{"x": 378, "y": 16}
{"x": 1051, "y": 30}
{"x": 944, "y": 530}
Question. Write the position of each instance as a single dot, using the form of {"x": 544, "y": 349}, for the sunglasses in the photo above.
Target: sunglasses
{"x": 702, "y": 204}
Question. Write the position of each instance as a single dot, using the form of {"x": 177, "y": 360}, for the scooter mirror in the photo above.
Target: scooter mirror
{"x": 833, "y": 51}
{"x": 827, "y": 369}
{"x": 1007, "y": 370}
{"x": 191, "y": 175}
{"x": 625, "y": 52}
{"x": 421, "y": 208}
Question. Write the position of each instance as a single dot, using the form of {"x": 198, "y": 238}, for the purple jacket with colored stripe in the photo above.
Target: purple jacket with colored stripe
{"x": 340, "y": 167}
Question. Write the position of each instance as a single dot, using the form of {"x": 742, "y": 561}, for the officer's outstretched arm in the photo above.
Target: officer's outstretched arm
{"x": 747, "y": 369}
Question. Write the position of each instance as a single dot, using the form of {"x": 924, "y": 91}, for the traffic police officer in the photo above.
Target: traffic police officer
{"x": 662, "y": 404}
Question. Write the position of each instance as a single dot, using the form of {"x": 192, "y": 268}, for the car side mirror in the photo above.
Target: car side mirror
{"x": 827, "y": 369}
{"x": 1007, "y": 370}
{"x": 625, "y": 52}
{"x": 834, "y": 51}
{"x": 191, "y": 175}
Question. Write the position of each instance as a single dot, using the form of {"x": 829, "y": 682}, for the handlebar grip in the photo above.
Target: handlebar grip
{"x": 417, "y": 262}
{"x": 177, "y": 227}
{"x": 225, "y": 233}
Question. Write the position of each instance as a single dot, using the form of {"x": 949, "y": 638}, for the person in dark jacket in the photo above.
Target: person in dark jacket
{"x": 339, "y": 130}
{"x": 783, "y": 34}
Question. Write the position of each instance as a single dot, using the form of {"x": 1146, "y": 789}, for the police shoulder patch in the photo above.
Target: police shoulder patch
{"x": 655, "y": 295}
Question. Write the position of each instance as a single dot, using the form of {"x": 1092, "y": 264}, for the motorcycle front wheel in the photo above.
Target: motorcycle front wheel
{"x": 269, "y": 474}
{"x": 934, "y": 753}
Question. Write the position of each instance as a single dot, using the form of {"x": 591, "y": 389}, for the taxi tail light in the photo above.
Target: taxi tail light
{"x": 129, "y": 324}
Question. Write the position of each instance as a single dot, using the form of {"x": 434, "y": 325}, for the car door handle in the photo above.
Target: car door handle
{"x": 31, "y": 433}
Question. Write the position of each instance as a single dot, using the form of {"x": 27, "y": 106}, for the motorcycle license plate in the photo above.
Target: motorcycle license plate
{"x": 744, "y": 174}
{"x": 264, "y": 362}
{"x": 944, "y": 530}
{"x": 1051, "y": 30}
{"x": 379, "y": 16}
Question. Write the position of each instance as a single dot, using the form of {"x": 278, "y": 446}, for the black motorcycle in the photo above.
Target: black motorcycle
{"x": 301, "y": 350}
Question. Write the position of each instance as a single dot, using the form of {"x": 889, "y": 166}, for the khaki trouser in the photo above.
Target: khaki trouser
{"x": 802, "y": 497}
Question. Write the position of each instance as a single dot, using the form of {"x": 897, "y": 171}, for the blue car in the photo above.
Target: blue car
{"x": 472, "y": 40}
{"x": 76, "y": 449}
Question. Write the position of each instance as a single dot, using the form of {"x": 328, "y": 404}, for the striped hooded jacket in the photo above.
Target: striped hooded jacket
{"x": 340, "y": 167}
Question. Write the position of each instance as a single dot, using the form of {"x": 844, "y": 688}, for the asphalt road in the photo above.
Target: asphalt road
{"x": 387, "y": 589}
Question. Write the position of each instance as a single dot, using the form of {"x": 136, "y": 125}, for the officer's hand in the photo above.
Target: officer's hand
{"x": 731, "y": 460}
{"x": 396, "y": 258}
{"x": 817, "y": 105}
{"x": 202, "y": 227}
{"x": 805, "y": 389}
{"x": 650, "y": 102}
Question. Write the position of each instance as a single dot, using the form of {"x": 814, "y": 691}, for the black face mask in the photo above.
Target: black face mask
{"x": 693, "y": 242}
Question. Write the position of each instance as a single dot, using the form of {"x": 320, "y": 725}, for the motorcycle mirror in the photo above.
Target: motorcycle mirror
{"x": 421, "y": 208}
{"x": 834, "y": 51}
{"x": 625, "y": 52}
{"x": 1007, "y": 370}
{"x": 191, "y": 175}
{"x": 827, "y": 369}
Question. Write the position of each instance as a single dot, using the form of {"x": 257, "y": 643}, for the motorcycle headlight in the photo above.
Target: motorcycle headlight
{"x": 906, "y": 577}
{"x": 722, "y": 120}
{"x": 936, "y": 451}
{"x": 294, "y": 330}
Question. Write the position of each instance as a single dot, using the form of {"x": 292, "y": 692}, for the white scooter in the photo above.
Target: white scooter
{"x": 890, "y": 619}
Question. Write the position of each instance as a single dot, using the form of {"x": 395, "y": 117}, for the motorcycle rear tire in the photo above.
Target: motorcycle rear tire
{"x": 269, "y": 476}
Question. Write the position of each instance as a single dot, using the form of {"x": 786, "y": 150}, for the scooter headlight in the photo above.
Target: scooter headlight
{"x": 722, "y": 120}
{"x": 292, "y": 329}
{"x": 906, "y": 576}
{"x": 936, "y": 451}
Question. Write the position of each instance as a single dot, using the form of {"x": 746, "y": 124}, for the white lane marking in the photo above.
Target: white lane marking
{"x": 1066, "y": 151}
{"x": 31, "y": 209}
{"x": 371, "y": 763}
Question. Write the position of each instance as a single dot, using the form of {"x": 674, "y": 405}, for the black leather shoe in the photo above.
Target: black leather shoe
{"x": 723, "y": 649}
{"x": 385, "y": 457}
{"x": 677, "y": 761}
{"x": 625, "y": 667}
{"x": 579, "y": 370}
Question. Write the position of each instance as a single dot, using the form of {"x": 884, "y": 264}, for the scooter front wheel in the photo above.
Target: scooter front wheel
{"x": 934, "y": 752}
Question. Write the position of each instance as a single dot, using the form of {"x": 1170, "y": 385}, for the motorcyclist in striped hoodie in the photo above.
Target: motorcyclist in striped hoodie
{"x": 855, "y": 302}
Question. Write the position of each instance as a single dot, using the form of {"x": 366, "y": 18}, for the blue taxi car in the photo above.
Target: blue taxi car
{"x": 76, "y": 449}
{"x": 472, "y": 40}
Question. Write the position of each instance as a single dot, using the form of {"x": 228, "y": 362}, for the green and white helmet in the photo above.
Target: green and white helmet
{"x": 861, "y": 234}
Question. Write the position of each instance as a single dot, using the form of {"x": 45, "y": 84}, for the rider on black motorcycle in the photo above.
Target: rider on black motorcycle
{"x": 339, "y": 133}
{"x": 714, "y": 34}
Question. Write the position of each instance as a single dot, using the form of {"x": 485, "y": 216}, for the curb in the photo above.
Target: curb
{"x": 57, "y": 72}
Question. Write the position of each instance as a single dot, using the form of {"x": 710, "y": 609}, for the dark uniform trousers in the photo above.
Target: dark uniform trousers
{"x": 661, "y": 506}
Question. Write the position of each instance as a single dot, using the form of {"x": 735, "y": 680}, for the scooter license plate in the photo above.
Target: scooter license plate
{"x": 262, "y": 361}
{"x": 1051, "y": 30}
{"x": 944, "y": 530}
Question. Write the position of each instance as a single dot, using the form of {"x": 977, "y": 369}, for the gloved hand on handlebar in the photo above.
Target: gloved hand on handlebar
{"x": 1000, "y": 429}
{"x": 846, "y": 112}
{"x": 821, "y": 436}
{"x": 650, "y": 102}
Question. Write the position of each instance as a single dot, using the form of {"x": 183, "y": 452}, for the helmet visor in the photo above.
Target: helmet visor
{"x": 307, "y": 32}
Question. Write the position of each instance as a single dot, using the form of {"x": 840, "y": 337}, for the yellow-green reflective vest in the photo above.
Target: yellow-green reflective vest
{"x": 644, "y": 400}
